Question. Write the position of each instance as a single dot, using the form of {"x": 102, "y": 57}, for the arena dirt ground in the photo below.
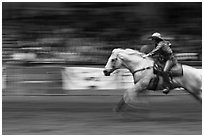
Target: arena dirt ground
{"x": 93, "y": 115}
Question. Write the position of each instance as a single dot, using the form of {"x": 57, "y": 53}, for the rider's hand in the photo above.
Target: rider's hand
{"x": 145, "y": 56}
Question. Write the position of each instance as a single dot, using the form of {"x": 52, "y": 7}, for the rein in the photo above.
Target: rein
{"x": 141, "y": 70}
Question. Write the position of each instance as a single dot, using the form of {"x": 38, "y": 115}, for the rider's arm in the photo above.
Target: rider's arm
{"x": 154, "y": 51}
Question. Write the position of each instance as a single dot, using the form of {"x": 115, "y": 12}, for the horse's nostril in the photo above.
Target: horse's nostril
{"x": 104, "y": 71}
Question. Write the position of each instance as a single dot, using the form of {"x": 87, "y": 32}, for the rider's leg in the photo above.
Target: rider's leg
{"x": 169, "y": 64}
{"x": 167, "y": 79}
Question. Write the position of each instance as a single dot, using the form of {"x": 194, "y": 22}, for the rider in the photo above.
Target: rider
{"x": 163, "y": 49}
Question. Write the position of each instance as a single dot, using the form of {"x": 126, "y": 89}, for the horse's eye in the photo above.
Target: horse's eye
{"x": 113, "y": 60}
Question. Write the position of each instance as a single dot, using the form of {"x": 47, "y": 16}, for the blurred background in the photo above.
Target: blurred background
{"x": 53, "y": 58}
{"x": 41, "y": 39}
{"x": 86, "y": 33}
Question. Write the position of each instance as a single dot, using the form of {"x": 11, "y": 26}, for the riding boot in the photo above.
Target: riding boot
{"x": 167, "y": 80}
{"x": 167, "y": 83}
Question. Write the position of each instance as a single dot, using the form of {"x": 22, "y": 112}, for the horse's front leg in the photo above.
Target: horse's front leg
{"x": 131, "y": 95}
{"x": 120, "y": 105}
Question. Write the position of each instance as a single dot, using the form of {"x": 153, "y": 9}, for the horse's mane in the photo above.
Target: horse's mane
{"x": 131, "y": 51}
{"x": 128, "y": 51}
{"x": 130, "y": 54}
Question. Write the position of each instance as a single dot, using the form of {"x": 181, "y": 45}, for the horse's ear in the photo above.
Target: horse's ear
{"x": 121, "y": 56}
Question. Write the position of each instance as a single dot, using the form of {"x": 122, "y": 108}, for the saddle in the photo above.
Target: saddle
{"x": 176, "y": 71}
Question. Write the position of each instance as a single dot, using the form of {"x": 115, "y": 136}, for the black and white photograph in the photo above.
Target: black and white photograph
{"x": 102, "y": 68}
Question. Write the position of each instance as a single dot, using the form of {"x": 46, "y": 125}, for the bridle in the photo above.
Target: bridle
{"x": 142, "y": 69}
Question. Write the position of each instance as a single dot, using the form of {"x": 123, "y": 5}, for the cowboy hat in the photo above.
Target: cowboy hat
{"x": 156, "y": 35}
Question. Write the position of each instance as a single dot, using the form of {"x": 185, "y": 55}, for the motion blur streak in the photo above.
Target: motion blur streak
{"x": 91, "y": 115}
{"x": 86, "y": 33}
{"x": 41, "y": 41}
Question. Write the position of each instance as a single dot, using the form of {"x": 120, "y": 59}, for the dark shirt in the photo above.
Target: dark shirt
{"x": 163, "y": 50}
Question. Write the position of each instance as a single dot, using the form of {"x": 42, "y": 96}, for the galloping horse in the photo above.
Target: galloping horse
{"x": 143, "y": 75}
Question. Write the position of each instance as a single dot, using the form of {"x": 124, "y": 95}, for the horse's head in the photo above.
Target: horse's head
{"x": 127, "y": 58}
{"x": 114, "y": 62}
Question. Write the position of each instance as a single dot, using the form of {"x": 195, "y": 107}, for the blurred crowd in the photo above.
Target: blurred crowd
{"x": 86, "y": 33}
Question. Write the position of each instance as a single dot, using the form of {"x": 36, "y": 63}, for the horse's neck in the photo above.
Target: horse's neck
{"x": 129, "y": 66}
{"x": 133, "y": 65}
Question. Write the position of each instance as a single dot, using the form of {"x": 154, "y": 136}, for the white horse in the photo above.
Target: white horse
{"x": 143, "y": 74}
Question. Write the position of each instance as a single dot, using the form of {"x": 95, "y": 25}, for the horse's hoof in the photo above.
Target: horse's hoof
{"x": 166, "y": 91}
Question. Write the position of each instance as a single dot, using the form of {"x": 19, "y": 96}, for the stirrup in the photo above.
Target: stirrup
{"x": 166, "y": 90}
